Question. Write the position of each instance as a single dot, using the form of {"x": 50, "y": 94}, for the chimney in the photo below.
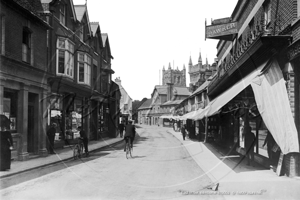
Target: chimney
{"x": 118, "y": 80}
{"x": 169, "y": 91}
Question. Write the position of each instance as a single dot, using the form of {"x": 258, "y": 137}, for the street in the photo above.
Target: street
{"x": 160, "y": 168}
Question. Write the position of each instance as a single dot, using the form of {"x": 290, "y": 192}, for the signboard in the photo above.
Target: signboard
{"x": 221, "y": 21}
{"x": 221, "y": 31}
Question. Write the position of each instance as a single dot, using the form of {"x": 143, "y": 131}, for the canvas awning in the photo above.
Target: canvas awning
{"x": 274, "y": 106}
{"x": 216, "y": 104}
{"x": 201, "y": 113}
{"x": 189, "y": 115}
{"x": 225, "y": 97}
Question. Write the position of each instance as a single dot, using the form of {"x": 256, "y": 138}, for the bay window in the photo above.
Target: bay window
{"x": 65, "y": 57}
{"x": 84, "y": 68}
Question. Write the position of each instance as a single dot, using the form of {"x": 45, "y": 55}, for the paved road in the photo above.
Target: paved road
{"x": 161, "y": 168}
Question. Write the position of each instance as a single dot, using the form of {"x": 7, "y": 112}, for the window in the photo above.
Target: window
{"x": 84, "y": 68}
{"x": 26, "y": 44}
{"x": 62, "y": 14}
{"x": 65, "y": 57}
{"x": 267, "y": 13}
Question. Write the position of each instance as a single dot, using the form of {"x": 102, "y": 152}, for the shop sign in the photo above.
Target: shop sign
{"x": 221, "y": 21}
{"x": 217, "y": 31}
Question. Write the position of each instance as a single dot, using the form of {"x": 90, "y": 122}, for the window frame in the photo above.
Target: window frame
{"x": 62, "y": 14}
{"x": 86, "y": 63}
{"x": 26, "y": 45}
{"x": 68, "y": 49}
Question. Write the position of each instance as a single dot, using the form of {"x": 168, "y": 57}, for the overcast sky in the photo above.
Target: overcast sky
{"x": 146, "y": 35}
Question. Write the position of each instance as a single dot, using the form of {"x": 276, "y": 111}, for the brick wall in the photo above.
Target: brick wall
{"x": 14, "y": 24}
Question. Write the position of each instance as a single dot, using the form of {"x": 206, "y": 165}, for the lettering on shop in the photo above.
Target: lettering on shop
{"x": 220, "y": 30}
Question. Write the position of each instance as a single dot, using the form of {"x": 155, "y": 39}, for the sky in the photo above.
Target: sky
{"x": 147, "y": 35}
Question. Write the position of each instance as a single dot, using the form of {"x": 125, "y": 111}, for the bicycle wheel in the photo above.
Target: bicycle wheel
{"x": 130, "y": 150}
{"x": 127, "y": 150}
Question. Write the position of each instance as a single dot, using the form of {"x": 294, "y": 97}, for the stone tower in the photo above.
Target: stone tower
{"x": 175, "y": 76}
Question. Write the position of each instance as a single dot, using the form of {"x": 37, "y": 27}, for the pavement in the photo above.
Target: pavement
{"x": 62, "y": 154}
{"x": 231, "y": 176}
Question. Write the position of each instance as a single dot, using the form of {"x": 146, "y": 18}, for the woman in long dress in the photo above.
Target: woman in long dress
{"x": 6, "y": 144}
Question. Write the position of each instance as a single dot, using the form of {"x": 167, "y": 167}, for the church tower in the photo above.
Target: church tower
{"x": 175, "y": 76}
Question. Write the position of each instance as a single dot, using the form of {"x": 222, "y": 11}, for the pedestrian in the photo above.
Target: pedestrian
{"x": 121, "y": 128}
{"x": 249, "y": 145}
{"x": 85, "y": 140}
{"x": 183, "y": 131}
{"x": 129, "y": 134}
{"x": 178, "y": 125}
{"x": 51, "y": 136}
{"x": 269, "y": 141}
{"x": 6, "y": 144}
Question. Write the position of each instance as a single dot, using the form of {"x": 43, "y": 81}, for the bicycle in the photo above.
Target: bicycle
{"x": 78, "y": 149}
{"x": 128, "y": 148}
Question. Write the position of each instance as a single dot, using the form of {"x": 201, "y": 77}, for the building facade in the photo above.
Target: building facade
{"x": 55, "y": 68}
{"x": 256, "y": 68}
{"x": 24, "y": 75}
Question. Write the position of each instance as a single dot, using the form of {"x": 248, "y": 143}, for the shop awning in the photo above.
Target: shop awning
{"x": 215, "y": 105}
{"x": 165, "y": 116}
{"x": 200, "y": 114}
{"x": 274, "y": 106}
{"x": 189, "y": 115}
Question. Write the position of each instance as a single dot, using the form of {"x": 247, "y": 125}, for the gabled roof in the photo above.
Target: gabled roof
{"x": 146, "y": 104}
{"x": 80, "y": 10}
{"x": 104, "y": 41}
{"x": 54, "y": 1}
{"x": 182, "y": 91}
{"x": 201, "y": 88}
{"x": 32, "y": 7}
{"x": 175, "y": 102}
{"x": 94, "y": 27}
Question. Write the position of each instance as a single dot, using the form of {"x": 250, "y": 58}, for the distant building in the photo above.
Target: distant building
{"x": 125, "y": 102}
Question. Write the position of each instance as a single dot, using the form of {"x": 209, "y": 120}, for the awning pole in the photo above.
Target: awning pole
{"x": 206, "y": 134}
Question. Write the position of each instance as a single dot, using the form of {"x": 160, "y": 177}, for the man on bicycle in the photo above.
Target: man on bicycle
{"x": 129, "y": 134}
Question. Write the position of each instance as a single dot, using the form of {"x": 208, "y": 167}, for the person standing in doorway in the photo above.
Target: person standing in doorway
{"x": 6, "y": 144}
{"x": 121, "y": 128}
{"x": 249, "y": 145}
{"x": 84, "y": 138}
{"x": 51, "y": 136}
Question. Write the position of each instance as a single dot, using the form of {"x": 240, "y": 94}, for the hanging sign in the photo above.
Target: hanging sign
{"x": 222, "y": 31}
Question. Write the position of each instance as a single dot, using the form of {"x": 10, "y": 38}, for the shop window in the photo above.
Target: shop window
{"x": 65, "y": 57}
{"x": 10, "y": 106}
{"x": 84, "y": 68}
{"x": 26, "y": 45}
{"x": 62, "y": 14}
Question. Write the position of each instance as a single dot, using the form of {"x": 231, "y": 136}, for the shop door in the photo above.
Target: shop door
{"x": 30, "y": 136}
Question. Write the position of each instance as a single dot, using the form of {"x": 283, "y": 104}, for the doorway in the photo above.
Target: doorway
{"x": 32, "y": 123}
